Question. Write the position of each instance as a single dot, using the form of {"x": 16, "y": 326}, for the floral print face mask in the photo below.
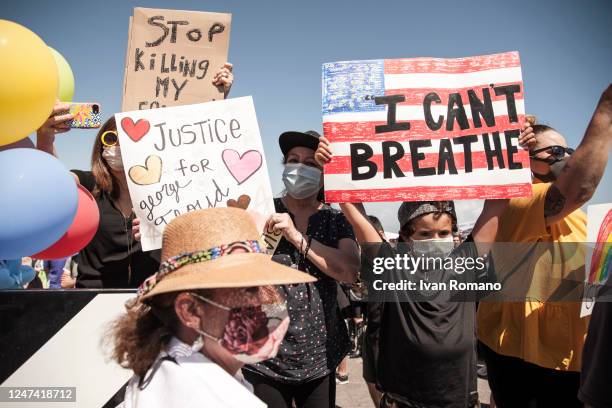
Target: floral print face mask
{"x": 252, "y": 333}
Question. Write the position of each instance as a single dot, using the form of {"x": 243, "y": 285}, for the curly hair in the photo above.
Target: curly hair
{"x": 140, "y": 334}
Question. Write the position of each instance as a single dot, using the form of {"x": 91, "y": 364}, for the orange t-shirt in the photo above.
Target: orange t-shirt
{"x": 549, "y": 334}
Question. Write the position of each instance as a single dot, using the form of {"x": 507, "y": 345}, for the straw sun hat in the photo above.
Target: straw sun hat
{"x": 196, "y": 255}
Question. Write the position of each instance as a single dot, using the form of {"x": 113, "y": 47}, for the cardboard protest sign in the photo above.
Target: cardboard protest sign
{"x": 598, "y": 265}
{"x": 191, "y": 157}
{"x": 425, "y": 129}
{"x": 173, "y": 56}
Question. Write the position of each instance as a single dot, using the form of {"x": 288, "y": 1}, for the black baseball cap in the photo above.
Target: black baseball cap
{"x": 291, "y": 139}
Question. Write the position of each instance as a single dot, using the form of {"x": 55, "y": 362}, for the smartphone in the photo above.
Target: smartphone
{"x": 86, "y": 115}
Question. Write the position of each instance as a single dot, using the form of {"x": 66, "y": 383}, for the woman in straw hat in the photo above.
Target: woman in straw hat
{"x": 319, "y": 240}
{"x": 210, "y": 308}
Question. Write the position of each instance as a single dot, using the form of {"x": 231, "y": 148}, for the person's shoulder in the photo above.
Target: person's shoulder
{"x": 214, "y": 384}
{"x": 152, "y": 390}
{"x": 337, "y": 217}
{"x": 279, "y": 206}
{"x": 202, "y": 366}
{"x": 386, "y": 249}
{"x": 524, "y": 216}
{"x": 538, "y": 192}
{"x": 86, "y": 179}
{"x": 333, "y": 211}
{"x": 465, "y": 248}
{"x": 83, "y": 173}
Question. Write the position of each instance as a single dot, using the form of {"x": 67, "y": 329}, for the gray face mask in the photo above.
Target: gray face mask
{"x": 301, "y": 181}
{"x": 433, "y": 247}
{"x": 555, "y": 170}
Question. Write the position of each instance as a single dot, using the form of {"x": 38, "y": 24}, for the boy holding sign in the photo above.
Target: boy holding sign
{"x": 424, "y": 131}
{"x": 417, "y": 333}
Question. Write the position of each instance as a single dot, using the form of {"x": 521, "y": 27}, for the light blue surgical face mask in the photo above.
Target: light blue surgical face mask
{"x": 434, "y": 247}
{"x": 301, "y": 181}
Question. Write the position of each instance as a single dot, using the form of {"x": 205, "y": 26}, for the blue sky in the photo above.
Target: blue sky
{"x": 277, "y": 48}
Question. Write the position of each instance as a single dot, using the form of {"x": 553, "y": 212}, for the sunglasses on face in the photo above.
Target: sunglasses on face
{"x": 110, "y": 138}
{"x": 558, "y": 152}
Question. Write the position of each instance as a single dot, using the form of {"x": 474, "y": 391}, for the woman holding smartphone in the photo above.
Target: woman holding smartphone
{"x": 113, "y": 258}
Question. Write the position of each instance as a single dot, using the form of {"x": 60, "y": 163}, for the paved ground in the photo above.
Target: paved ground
{"x": 355, "y": 393}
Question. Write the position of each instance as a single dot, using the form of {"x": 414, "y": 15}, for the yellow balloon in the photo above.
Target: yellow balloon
{"x": 28, "y": 83}
{"x": 65, "y": 76}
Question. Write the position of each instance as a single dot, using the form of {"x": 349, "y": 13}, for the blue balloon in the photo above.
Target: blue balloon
{"x": 14, "y": 275}
{"x": 38, "y": 201}
{"x": 26, "y": 275}
{"x": 7, "y": 280}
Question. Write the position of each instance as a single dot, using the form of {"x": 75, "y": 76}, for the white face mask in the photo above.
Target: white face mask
{"x": 434, "y": 247}
{"x": 112, "y": 155}
{"x": 301, "y": 180}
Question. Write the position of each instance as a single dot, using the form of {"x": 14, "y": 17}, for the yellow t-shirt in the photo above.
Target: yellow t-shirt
{"x": 549, "y": 334}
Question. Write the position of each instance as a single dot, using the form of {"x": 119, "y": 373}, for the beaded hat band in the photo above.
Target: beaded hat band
{"x": 222, "y": 230}
{"x": 176, "y": 262}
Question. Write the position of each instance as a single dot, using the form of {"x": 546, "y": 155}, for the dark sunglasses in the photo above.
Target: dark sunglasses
{"x": 109, "y": 138}
{"x": 558, "y": 152}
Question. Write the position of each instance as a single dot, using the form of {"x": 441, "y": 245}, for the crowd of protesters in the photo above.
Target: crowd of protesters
{"x": 424, "y": 353}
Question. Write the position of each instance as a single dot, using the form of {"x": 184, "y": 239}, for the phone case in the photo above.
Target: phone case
{"x": 86, "y": 115}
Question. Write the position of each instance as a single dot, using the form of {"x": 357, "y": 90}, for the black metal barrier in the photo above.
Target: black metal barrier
{"x": 52, "y": 339}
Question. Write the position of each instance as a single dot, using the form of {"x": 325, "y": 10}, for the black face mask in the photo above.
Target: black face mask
{"x": 556, "y": 166}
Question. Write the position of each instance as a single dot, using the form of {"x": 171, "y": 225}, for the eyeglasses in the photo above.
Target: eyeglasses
{"x": 109, "y": 138}
{"x": 558, "y": 152}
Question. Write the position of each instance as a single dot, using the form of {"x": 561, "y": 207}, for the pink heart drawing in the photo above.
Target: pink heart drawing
{"x": 241, "y": 167}
{"x": 135, "y": 131}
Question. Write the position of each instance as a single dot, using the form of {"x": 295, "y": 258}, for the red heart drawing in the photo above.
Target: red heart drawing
{"x": 135, "y": 131}
{"x": 241, "y": 167}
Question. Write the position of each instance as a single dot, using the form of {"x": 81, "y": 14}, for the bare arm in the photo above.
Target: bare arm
{"x": 341, "y": 264}
{"x": 45, "y": 135}
{"x": 354, "y": 212}
{"x": 584, "y": 169}
{"x": 486, "y": 226}
{"x": 364, "y": 230}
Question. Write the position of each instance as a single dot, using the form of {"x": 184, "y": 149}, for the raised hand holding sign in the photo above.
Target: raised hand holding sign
{"x": 172, "y": 58}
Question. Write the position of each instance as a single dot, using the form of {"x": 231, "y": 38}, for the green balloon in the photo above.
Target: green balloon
{"x": 66, "y": 78}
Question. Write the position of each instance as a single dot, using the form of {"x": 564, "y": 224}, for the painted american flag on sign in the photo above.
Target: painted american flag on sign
{"x": 425, "y": 129}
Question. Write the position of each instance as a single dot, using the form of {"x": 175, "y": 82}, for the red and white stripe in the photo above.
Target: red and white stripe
{"x": 415, "y": 78}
